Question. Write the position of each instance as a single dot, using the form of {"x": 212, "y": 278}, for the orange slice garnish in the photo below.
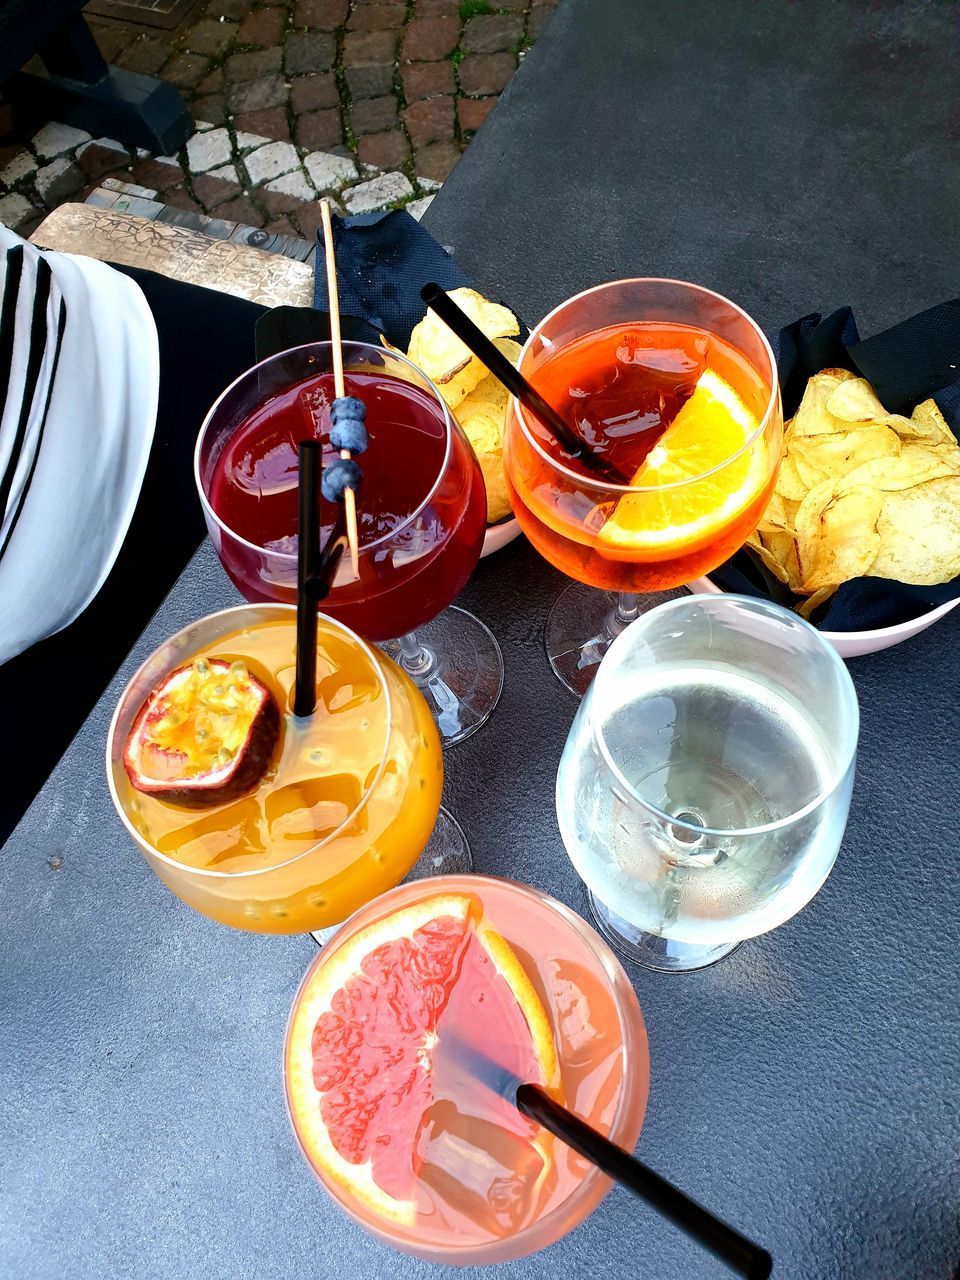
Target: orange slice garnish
{"x": 711, "y": 427}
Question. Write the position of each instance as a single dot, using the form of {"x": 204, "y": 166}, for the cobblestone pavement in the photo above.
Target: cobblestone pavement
{"x": 371, "y": 101}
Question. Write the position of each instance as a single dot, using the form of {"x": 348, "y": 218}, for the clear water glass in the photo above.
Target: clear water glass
{"x": 704, "y": 787}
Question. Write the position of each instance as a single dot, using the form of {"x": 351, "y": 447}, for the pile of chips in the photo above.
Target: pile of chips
{"x": 861, "y": 493}
{"x": 477, "y": 399}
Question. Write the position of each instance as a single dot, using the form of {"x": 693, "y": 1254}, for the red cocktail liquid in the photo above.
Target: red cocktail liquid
{"x": 421, "y": 506}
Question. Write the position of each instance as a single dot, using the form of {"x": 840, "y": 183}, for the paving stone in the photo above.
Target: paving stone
{"x": 213, "y": 105}
{"x": 293, "y": 184}
{"x": 538, "y": 18}
{"x": 180, "y": 198}
{"x": 436, "y": 160}
{"x": 427, "y": 79}
{"x": 427, "y": 39}
{"x": 378, "y": 192}
{"x": 486, "y": 72}
{"x": 247, "y": 141}
{"x": 383, "y": 150}
{"x": 436, "y": 8}
{"x": 263, "y": 27}
{"x": 212, "y": 82}
{"x": 429, "y": 121}
{"x": 277, "y": 202}
{"x": 282, "y": 227}
{"x": 328, "y": 172}
{"x": 110, "y": 40}
{"x": 21, "y": 166}
{"x": 145, "y": 55}
{"x": 369, "y": 82}
{"x": 369, "y": 48}
{"x": 97, "y": 158}
{"x": 376, "y": 17}
{"x": 308, "y": 218}
{"x": 58, "y": 181}
{"x": 15, "y": 209}
{"x": 271, "y": 161}
{"x": 371, "y": 115}
{"x": 209, "y": 36}
{"x": 320, "y": 15}
{"x": 272, "y": 122}
{"x": 186, "y": 69}
{"x": 236, "y": 9}
{"x": 208, "y": 150}
{"x": 56, "y": 139}
{"x": 255, "y": 95}
{"x": 492, "y": 33}
{"x": 212, "y": 191}
{"x": 252, "y": 65}
{"x": 472, "y": 112}
{"x": 202, "y": 126}
{"x": 307, "y": 93}
{"x": 306, "y": 51}
{"x": 417, "y": 208}
{"x": 226, "y": 173}
{"x": 242, "y": 211}
{"x": 129, "y": 188}
{"x": 160, "y": 174}
{"x": 319, "y": 130}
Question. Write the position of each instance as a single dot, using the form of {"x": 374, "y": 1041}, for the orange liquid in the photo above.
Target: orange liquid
{"x": 343, "y": 812}
{"x": 562, "y": 515}
{"x": 487, "y": 1177}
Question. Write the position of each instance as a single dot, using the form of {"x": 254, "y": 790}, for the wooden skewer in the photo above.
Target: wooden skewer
{"x": 349, "y": 497}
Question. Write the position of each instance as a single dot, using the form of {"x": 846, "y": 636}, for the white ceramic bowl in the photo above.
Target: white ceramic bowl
{"x": 498, "y": 535}
{"x": 853, "y": 644}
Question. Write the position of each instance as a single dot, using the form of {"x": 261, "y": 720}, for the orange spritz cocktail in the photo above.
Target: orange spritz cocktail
{"x": 675, "y": 389}
{"x": 402, "y": 1043}
{"x": 257, "y": 818}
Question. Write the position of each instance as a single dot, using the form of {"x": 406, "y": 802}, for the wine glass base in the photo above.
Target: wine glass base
{"x": 447, "y": 853}
{"x": 651, "y": 950}
{"x": 464, "y": 678}
{"x": 582, "y": 625}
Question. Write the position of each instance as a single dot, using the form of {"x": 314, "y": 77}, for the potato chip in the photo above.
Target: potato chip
{"x": 483, "y": 428}
{"x": 442, "y": 356}
{"x": 789, "y": 484}
{"x": 919, "y": 532}
{"x": 811, "y": 418}
{"x": 854, "y": 400}
{"x": 837, "y": 536}
{"x": 498, "y": 503}
{"x": 783, "y": 548}
{"x": 928, "y": 423}
{"x": 488, "y": 394}
{"x": 812, "y": 603}
{"x": 914, "y": 465}
{"x": 841, "y": 452}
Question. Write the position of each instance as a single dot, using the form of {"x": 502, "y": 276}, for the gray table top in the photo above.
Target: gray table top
{"x": 795, "y": 157}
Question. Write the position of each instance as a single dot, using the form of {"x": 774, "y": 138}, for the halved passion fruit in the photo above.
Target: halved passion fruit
{"x": 205, "y": 735}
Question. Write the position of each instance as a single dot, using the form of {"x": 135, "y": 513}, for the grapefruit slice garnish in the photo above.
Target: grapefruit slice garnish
{"x": 205, "y": 734}
{"x": 366, "y": 1028}
{"x": 709, "y": 429}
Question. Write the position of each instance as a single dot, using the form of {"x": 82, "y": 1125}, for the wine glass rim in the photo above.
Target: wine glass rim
{"x": 347, "y": 347}
{"x": 606, "y": 486}
{"x": 590, "y": 1190}
{"x": 208, "y": 872}
{"x": 781, "y": 616}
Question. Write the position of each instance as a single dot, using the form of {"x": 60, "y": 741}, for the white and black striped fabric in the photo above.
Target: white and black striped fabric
{"x": 79, "y": 378}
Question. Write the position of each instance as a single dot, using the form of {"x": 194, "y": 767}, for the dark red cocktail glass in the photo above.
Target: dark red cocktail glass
{"x": 421, "y": 513}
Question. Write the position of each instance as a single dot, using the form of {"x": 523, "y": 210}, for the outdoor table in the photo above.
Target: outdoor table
{"x": 794, "y": 157}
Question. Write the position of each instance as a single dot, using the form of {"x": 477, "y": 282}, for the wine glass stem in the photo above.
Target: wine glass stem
{"x": 416, "y": 659}
{"x": 628, "y": 610}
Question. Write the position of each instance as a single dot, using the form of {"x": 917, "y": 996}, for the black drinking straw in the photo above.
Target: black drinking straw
{"x": 740, "y": 1254}
{"x": 315, "y": 569}
{"x": 504, "y": 372}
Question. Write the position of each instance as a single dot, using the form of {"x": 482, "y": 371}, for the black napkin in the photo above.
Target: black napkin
{"x": 910, "y": 362}
{"x": 383, "y": 261}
